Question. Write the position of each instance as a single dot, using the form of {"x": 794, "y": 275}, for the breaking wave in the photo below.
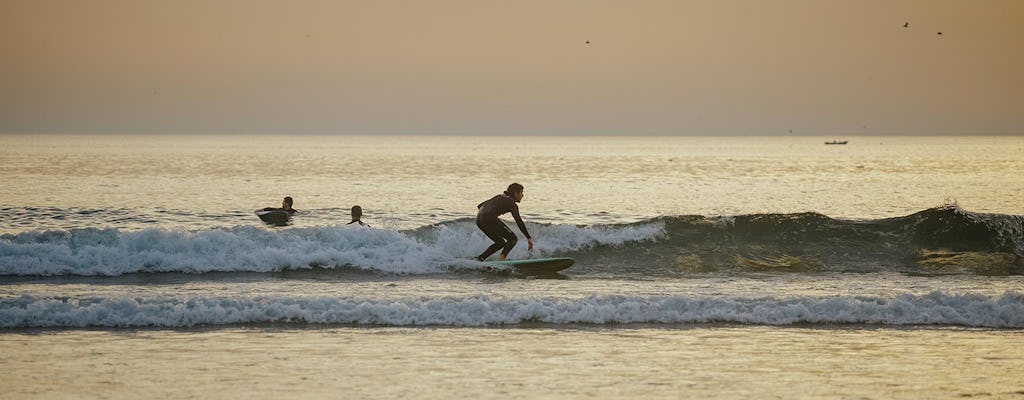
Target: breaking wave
{"x": 935, "y": 308}
{"x": 942, "y": 240}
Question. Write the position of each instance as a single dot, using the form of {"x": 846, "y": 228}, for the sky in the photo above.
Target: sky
{"x": 523, "y": 67}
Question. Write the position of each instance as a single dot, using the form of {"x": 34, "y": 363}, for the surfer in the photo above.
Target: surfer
{"x": 488, "y": 222}
{"x": 286, "y": 205}
{"x": 357, "y": 217}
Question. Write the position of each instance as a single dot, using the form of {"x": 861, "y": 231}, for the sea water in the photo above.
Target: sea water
{"x": 707, "y": 267}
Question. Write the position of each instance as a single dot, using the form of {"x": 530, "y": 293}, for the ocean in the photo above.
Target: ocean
{"x": 134, "y": 266}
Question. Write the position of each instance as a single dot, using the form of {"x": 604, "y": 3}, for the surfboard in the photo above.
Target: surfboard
{"x": 276, "y": 217}
{"x": 536, "y": 266}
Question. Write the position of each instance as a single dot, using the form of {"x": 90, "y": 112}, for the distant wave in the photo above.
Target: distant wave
{"x": 935, "y": 308}
{"x": 942, "y": 240}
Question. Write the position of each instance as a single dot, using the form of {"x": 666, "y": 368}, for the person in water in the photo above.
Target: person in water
{"x": 286, "y": 205}
{"x": 357, "y": 216}
{"x": 488, "y": 222}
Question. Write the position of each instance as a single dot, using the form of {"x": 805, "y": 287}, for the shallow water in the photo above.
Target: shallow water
{"x": 695, "y": 361}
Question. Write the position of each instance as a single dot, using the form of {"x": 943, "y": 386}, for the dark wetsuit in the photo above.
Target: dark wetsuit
{"x": 487, "y": 220}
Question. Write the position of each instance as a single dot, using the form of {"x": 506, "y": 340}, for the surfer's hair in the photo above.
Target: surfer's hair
{"x": 288, "y": 199}
{"x": 513, "y": 189}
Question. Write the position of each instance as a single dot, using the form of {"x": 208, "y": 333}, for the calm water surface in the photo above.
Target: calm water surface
{"x": 728, "y": 362}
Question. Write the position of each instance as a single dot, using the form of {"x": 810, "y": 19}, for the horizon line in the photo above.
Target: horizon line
{"x": 523, "y": 134}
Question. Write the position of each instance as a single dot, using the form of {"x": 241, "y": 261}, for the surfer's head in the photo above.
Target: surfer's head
{"x": 357, "y": 213}
{"x": 515, "y": 191}
{"x": 287, "y": 202}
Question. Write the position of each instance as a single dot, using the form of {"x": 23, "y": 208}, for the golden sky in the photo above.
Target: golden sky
{"x": 730, "y": 67}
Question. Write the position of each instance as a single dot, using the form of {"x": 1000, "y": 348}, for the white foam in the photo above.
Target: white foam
{"x": 110, "y": 252}
{"x": 463, "y": 239}
{"x": 938, "y": 308}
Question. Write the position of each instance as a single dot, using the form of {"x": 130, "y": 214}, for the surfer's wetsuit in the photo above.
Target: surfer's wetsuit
{"x": 487, "y": 220}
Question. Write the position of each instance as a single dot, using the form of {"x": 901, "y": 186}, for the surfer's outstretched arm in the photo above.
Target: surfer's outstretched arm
{"x": 522, "y": 228}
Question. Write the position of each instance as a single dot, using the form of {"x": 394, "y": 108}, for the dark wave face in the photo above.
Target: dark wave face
{"x": 934, "y": 241}
{"x": 943, "y": 240}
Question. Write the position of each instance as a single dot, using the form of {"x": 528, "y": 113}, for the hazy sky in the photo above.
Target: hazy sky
{"x": 823, "y": 67}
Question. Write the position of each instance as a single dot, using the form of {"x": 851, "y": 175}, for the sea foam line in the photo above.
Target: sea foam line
{"x": 936, "y": 308}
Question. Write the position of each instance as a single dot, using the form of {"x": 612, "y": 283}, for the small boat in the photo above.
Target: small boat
{"x": 837, "y": 142}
